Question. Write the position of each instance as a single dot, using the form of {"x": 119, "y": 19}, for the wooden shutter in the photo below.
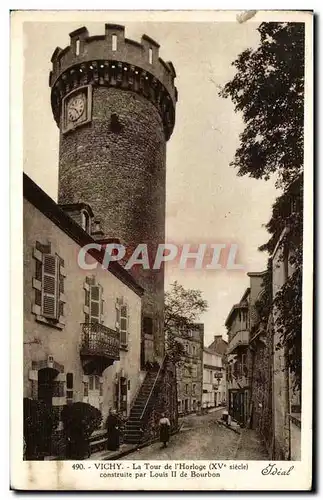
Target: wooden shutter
{"x": 87, "y": 298}
{"x": 61, "y": 308}
{"x": 117, "y": 315}
{"x": 39, "y": 270}
{"x": 50, "y": 286}
{"x": 123, "y": 325}
{"x": 61, "y": 283}
{"x": 95, "y": 303}
{"x": 101, "y": 307}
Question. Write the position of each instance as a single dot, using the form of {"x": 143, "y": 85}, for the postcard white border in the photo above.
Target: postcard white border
{"x": 60, "y": 475}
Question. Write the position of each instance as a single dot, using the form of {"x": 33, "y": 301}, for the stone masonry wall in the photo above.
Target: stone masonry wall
{"x": 121, "y": 175}
{"x": 261, "y": 390}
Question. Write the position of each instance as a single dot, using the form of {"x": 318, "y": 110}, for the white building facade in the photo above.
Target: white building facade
{"x": 81, "y": 328}
{"x": 214, "y": 380}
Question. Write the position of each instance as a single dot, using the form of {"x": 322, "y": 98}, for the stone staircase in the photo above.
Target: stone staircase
{"x": 133, "y": 432}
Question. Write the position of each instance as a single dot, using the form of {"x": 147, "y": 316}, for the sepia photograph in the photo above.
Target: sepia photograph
{"x": 163, "y": 176}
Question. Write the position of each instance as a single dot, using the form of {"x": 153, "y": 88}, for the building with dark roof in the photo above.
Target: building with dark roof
{"x": 81, "y": 327}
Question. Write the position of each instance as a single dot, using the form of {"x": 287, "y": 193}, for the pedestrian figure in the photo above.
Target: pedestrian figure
{"x": 113, "y": 429}
{"x": 226, "y": 417}
{"x": 164, "y": 428}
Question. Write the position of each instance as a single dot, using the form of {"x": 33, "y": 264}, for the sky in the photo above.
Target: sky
{"x": 206, "y": 202}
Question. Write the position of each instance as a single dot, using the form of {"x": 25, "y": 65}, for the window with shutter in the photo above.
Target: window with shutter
{"x": 117, "y": 316}
{"x": 95, "y": 303}
{"x": 61, "y": 283}
{"x": 39, "y": 270}
{"x": 122, "y": 321}
{"x": 50, "y": 287}
{"x": 123, "y": 325}
{"x": 87, "y": 297}
{"x": 38, "y": 297}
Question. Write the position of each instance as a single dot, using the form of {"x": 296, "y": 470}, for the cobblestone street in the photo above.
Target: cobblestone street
{"x": 204, "y": 438}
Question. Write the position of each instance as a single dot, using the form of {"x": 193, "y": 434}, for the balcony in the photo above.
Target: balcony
{"x": 100, "y": 347}
{"x": 240, "y": 339}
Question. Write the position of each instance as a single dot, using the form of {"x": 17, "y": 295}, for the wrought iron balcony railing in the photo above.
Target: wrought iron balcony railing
{"x": 99, "y": 340}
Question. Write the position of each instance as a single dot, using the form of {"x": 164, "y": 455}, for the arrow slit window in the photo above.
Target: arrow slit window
{"x": 114, "y": 42}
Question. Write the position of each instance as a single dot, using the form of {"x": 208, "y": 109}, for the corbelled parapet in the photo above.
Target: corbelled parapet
{"x": 113, "y": 60}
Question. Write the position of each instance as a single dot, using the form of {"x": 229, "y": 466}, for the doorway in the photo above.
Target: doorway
{"x": 94, "y": 391}
{"x": 238, "y": 406}
{"x": 46, "y": 377}
{"x": 121, "y": 392}
{"x": 46, "y": 392}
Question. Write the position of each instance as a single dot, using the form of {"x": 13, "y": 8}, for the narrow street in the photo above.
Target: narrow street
{"x": 202, "y": 437}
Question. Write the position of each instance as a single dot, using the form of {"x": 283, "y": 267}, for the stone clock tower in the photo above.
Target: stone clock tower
{"x": 113, "y": 100}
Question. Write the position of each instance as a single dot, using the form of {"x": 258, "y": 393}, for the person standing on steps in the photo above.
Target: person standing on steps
{"x": 113, "y": 424}
{"x": 164, "y": 430}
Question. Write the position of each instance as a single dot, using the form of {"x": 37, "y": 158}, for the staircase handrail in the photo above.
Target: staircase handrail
{"x": 153, "y": 387}
{"x": 133, "y": 401}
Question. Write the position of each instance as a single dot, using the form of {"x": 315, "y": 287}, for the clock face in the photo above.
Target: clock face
{"x": 75, "y": 108}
